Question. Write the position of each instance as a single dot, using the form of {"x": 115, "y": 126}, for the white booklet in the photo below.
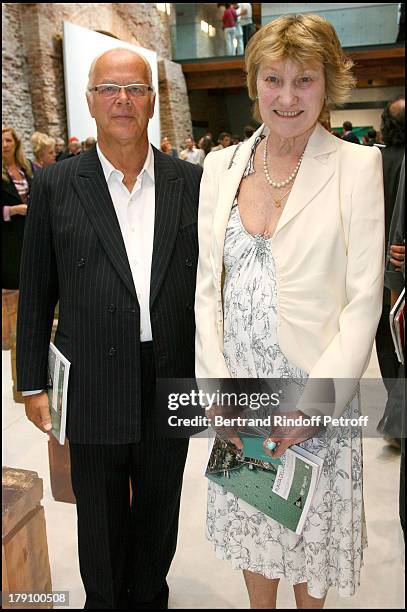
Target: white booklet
{"x": 397, "y": 324}
{"x": 58, "y": 375}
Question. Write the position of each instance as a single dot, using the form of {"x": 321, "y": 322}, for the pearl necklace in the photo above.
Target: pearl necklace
{"x": 279, "y": 184}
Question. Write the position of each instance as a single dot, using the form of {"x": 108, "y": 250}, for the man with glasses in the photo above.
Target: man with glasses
{"x": 112, "y": 236}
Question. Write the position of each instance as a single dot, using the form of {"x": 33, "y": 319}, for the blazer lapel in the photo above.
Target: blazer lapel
{"x": 169, "y": 189}
{"x": 317, "y": 167}
{"x": 228, "y": 184}
{"x": 93, "y": 192}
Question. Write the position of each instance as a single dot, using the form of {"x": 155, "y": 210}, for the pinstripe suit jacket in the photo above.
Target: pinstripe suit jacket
{"x": 74, "y": 252}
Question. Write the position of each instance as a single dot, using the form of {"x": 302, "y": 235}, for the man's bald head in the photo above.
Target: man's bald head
{"x": 398, "y": 106}
{"x": 393, "y": 123}
{"x": 120, "y": 54}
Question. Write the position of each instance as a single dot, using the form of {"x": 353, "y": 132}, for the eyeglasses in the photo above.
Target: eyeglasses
{"x": 134, "y": 90}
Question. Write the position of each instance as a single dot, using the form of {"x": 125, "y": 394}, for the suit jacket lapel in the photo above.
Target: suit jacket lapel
{"x": 92, "y": 190}
{"x": 317, "y": 167}
{"x": 168, "y": 204}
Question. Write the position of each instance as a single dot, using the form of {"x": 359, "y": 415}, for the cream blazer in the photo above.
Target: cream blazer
{"x": 328, "y": 249}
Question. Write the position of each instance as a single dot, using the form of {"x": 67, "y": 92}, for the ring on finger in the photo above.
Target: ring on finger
{"x": 271, "y": 445}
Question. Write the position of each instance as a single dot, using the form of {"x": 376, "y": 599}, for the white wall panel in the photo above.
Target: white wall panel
{"x": 81, "y": 46}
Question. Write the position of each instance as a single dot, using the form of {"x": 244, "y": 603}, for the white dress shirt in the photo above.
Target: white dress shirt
{"x": 135, "y": 212}
{"x": 245, "y": 19}
{"x": 193, "y": 156}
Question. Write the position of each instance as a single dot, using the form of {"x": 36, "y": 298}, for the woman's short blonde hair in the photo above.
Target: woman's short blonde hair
{"x": 306, "y": 39}
{"x": 39, "y": 142}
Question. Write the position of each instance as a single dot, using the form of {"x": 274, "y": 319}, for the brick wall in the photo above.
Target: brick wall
{"x": 33, "y": 79}
{"x": 16, "y": 98}
{"x": 175, "y": 115}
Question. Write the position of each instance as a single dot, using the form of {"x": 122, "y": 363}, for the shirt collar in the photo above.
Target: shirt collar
{"x": 108, "y": 167}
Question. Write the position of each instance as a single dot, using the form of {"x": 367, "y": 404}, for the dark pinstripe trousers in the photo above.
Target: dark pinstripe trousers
{"x": 125, "y": 552}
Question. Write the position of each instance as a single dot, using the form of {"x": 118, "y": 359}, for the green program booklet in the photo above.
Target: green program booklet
{"x": 280, "y": 488}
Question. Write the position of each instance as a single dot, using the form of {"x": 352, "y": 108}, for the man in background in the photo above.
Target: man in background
{"x": 395, "y": 278}
{"x": 59, "y": 148}
{"x": 371, "y": 138}
{"x": 245, "y": 14}
{"x": 89, "y": 142}
{"x": 74, "y": 148}
{"x": 191, "y": 153}
{"x": 393, "y": 135}
{"x": 224, "y": 140}
{"x": 348, "y": 134}
{"x": 248, "y": 132}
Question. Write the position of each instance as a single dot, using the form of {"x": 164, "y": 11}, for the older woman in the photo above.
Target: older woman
{"x": 289, "y": 285}
{"x": 43, "y": 147}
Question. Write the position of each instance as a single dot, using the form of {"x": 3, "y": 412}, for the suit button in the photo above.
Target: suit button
{"x": 111, "y": 308}
{"x": 81, "y": 263}
{"x": 163, "y": 357}
{"x": 112, "y": 351}
{"x": 190, "y": 306}
{"x": 188, "y": 262}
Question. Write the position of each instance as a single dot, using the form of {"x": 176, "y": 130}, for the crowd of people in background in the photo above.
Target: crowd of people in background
{"x": 195, "y": 150}
{"x": 48, "y": 150}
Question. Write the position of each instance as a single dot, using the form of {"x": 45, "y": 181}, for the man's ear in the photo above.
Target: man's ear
{"x": 152, "y": 107}
{"x": 89, "y": 101}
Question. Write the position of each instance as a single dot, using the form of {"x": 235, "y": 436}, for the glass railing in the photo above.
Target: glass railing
{"x": 197, "y": 29}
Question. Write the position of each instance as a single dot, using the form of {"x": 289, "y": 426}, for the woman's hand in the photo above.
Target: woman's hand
{"x": 285, "y": 437}
{"x": 19, "y": 209}
{"x": 397, "y": 255}
{"x": 226, "y": 433}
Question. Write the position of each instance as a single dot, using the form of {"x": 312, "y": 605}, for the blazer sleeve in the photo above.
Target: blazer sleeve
{"x": 209, "y": 360}
{"x": 38, "y": 292}
{"x": 347, "y": 356}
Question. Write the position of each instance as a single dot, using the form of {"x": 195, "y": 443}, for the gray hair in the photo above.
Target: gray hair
{"x": 93, "y": 64}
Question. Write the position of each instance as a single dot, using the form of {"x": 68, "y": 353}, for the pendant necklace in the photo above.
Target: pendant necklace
{"x": 278, "y": 199}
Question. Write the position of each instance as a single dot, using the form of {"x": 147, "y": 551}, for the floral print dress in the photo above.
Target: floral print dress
{"x": 329, "y": 552}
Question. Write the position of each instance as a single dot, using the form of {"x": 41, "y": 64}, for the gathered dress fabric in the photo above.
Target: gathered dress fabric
{"x": 329, "y": 551}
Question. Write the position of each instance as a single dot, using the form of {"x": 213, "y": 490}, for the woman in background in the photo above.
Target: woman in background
{"x": 16, "y": 179}
{"x": 166, "y": 147}
{"x": 17, "y": 174}
{"x": 43, "y": 147}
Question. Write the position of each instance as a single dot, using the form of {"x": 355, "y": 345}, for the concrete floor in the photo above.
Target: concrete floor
{"x": 197, "y": 579}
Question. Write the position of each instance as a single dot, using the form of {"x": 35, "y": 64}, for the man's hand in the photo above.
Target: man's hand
{"x": 397, "y": 255}
{"x": 285, "y": 437}
{"x": 37, "y": 411}
{"x": 19, "y": 209}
